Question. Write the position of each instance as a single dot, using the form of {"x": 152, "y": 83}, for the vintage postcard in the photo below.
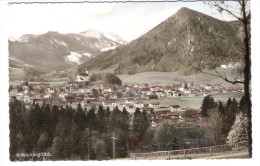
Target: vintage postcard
{"x": 129, "y": 80}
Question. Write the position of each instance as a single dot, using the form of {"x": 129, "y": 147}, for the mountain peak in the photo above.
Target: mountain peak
{"x": 186, "y": 12}
{"x": 91, "y": 33}
{"x": 186, "y": 35}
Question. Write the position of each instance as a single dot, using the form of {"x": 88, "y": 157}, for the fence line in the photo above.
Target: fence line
{"x": 191, "y": 153}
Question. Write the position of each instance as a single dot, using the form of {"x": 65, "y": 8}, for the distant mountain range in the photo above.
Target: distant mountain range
{"x": 185, "y": 42}
{"x": 53, "y": 51}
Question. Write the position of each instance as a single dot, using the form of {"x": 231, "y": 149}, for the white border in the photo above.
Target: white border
{"x": 4, "y": 114}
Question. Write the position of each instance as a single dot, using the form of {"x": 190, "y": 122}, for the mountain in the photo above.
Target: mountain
{"x": 185, "y": 41}
{"x": 54, "y": 51}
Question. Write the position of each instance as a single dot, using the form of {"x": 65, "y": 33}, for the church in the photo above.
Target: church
{"x": 83, "y": 76}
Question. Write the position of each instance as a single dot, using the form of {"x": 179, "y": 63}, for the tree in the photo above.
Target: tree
{"x": 93, "y": 77}
{"x": 134, "y": 141}
{"x": 191, "y": 84}
{"x": 212, "y": 124}
{"x": 186, "y": 86}
{"x": 10, "y": 88}
{"x": 221, "y": 108}
{"x": 242, "y": 105}
{"x": 140, "y": 123}
{"x": 99, "y": 146}
{"x": 229, "y": 119}
{"x": 164, "y": 138}
{"x": 80, "y": 118}
{"x": 101, "y": 121}
{"x": 115, "y": 119}
{"x": 95, "y": 93}
{"x": 124, "y": 120}
{"x": 91, "y": 119}
{"x": 238, "y": 132}
{"x": 244, "y": 16}
{"x": 208, "y": 103}
{"x": 110, "y": 78}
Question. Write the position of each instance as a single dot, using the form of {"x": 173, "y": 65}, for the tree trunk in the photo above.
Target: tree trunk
{"x": 247, "y": 78}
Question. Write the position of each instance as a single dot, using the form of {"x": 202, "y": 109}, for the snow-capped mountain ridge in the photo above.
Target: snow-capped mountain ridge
{"x": 55, "y": 51}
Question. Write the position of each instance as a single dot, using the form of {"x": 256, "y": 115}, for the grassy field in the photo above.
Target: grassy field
{"x": 57, "y": 84}
{"x": 16, "y": 73}
{"x": 168, "y": 78}
{"x": 196, "y": 102}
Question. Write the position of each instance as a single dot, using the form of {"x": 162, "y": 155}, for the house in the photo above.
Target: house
{"x": 113, "y": 96}
{"x": 130, "y": 100}
{"x": 50, "y": 90}
{"x": 26, "y": 99}
{"x": 190, "y": 116}
{"x": 84, "y": 103}
{"x": 235, "y": 89}
{"x": 109, "y": 103}
{"x": 89, "y": 99}
{"x": 46, "y": 96}
{"x": 13, "y": 91}
{"x": 83, "y": 77}
{"x": 70, "y": 98}
{"x": 208, "y": 86}
{"x": 62, "y": 96}
{"x": 25, "y": 87}
{"x": 162, "y": 113}
{"x": 146, "y": 109}
{"x": 36, "y": 100}
{"x": 173, "y": 115}
{"x": 160, "y": 93}
{"x": 157, "y": 122}
{"x": 187, "y": 91}
{"x": 154, "y": 105}
{"x": 175, "y": 108}
{"x": 146, "y": 85}
{"x": 135, "y": 89}
{"x": 107, "y": 90}
{"x": 181, "y": 89}
{"x": 139, "y": 104}
{"x": 73, "y": 84}
{"x": 146, "y": 89}
{"x": 128, "y": 106}
{"x": 152, "y": 97}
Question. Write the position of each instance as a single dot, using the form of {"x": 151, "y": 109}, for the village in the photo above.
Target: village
{"x": 159, "y": 101}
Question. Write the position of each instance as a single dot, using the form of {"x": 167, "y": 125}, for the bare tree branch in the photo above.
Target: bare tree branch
{"x": 227, "y": 80}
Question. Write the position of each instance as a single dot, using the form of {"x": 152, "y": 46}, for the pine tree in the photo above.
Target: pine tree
{"x": 91, "y": 119}
{"x": 124, "y": 120}
{"x": 186, "y": 86}
{"x": 229, "y": 103}
{"x": 80, "y": 118}
{"x": 101, "y": 121}
{"x": 229, "y": 117}
{"x": 238, "y": 132}
{"x": 141, "y": 123}
{"x": 208, "y": 103}
{"x": 221, "y": 108}
{"x": 137, "y": 121}
{"x": 242, "y": 105}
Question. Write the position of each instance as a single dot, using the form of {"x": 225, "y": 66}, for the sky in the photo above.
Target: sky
{"x": 128, "y": 20}
{"x": 42, "y": 26}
